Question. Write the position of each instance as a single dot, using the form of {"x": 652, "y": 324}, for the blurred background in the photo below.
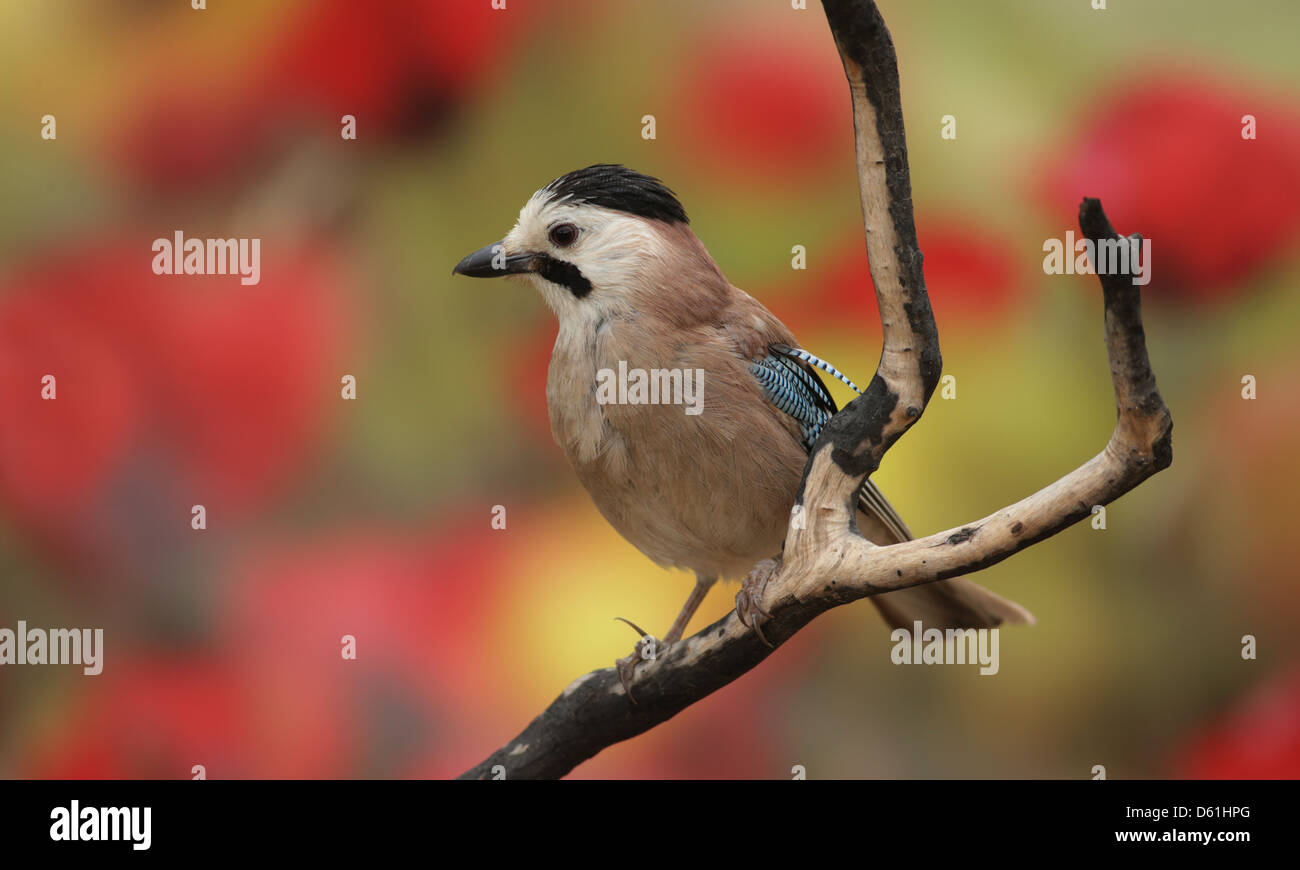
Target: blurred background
{"x": 372, "y": 517}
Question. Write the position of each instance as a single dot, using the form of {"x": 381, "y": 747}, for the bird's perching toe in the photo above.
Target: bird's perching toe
{"x": 749, "y": 600}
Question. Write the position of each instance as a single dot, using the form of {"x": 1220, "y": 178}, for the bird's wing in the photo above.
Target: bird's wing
{"x": 790, "y": 381}
{"x": 789, "y": 378}
{"x": 794, "y": 388}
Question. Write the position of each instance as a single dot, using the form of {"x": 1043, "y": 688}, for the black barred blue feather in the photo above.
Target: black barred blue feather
{"x": 796, "y": 389}
{"x": 790, "y": 384}
{"x": 801, "y": 354}
{"x": 788, "y": 388}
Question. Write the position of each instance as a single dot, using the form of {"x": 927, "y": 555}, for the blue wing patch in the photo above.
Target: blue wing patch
{"x": 795, "y": 389}
{"x": 801, "y": 354}
{"x": 791, "y": 384}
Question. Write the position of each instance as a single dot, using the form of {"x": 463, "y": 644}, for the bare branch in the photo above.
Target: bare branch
{"x": 826, "y": 563}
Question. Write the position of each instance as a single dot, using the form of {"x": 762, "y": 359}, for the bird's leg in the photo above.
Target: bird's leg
{"x": 647, "y": 648}
{"x": 749, "y": 599}
{"x": 693, "y": 602}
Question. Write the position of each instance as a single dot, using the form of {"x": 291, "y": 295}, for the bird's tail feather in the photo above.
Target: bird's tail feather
{"x": 957, "y": 603}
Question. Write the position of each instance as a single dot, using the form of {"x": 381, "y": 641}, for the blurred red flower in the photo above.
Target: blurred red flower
{"x": 1164, "y": 152}
{"x": 272, "y": 696}
{"x": 759, "y": 104}
{"x": 390, "y": 62}
{"x": 399, "y": 66}
{"x": 1259, "y": 738}
{"x": 527, "y": 360}
{"x": 970, "y": 275}
{"x": 55, "y": 452}
{"x": 179, "y": 390}
{"x": 181, "y": 137}
{"x": 409, "y": 703}
{"x": 149, "y": 717}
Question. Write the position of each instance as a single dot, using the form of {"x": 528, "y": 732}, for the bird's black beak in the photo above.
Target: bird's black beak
{"x": 492, "y": 262}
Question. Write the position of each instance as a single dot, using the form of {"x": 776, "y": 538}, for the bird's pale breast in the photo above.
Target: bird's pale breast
{"x": 710, "y": 492}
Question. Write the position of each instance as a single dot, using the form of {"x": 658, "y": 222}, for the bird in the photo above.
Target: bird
{"x": 613, "y": 255}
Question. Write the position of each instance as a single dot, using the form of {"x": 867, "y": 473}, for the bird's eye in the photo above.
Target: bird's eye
{"x": 563, "y": 235}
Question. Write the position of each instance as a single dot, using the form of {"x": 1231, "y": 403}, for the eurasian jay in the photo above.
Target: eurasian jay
{"x": 708, "y": 488}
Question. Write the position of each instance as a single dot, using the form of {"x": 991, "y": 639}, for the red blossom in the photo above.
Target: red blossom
{"x": 386, "y": 60}
{"x": 271, "y": 696}
{"x": 970, "y": 274}
{"x": 416, "y": 610}
{"x": 758, "y": 104}
{"x": 398, "y": 66}
{"x": 55, "y": 452}
{"x": 1164, "y": 151}
{"x": 1259, "y": 738}
{"x": 149, "y": 717}
{"x": 179, "y": 389}
{"x": 524, "y": 373}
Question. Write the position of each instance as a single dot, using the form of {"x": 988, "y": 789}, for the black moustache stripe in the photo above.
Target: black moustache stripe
{"x": 563, "y": 273}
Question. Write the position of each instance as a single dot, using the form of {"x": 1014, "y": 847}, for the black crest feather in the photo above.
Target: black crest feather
{"x": 616, "y": 187}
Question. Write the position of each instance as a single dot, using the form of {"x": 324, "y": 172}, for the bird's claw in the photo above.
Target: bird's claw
{"x": 646, "y": 650}
{"x": 748, "y": 600}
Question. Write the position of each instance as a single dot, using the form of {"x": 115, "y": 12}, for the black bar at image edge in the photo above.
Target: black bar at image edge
{"x": 233, "y": 818}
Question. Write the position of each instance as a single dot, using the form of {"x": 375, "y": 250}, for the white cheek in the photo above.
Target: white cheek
{"x": 615, "y": 258}
{"x": 612, "y": 253}
{"x": 557, "y": 298}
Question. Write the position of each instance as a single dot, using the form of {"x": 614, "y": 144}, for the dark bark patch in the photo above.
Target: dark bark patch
{"x": 961, "y": 536}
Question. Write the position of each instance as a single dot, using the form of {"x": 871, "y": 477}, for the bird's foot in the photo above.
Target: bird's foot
{"x": 749, "y": 599}
{"x": 646, "y": 650}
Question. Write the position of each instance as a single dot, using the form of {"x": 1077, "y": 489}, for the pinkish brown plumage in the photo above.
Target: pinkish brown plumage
{"x": 612, "y": 254}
